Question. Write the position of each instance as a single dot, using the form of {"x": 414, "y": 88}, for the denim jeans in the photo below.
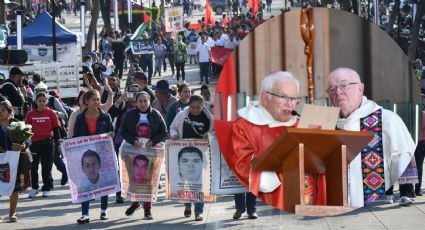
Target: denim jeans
{"x": 246, "y": 201}
{"x": 158, "y": 64}
{"x": 103, "y": 205}
{"x": 199, "y": 207}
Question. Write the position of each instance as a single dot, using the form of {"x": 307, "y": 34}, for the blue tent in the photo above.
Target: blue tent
{"x": 39, "y": 32}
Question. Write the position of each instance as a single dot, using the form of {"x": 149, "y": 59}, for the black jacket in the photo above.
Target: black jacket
{"x": 156, "y": 123}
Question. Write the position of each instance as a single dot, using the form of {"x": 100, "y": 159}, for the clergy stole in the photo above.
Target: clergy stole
{"x": 373, "y": 158}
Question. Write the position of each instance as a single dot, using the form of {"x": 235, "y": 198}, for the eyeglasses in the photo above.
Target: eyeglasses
{"x": 342, "y": 86}
{"x": 286, "y": 99}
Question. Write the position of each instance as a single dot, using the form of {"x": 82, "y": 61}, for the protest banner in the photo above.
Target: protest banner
{"x": 9, "y": 161}
{"x": 188, "y": 168}
{"x": 142, "y": 46}
{"x": 174, "y": 19}
{"x": 162, "y": 187}
{"x": 410, "y": 174}
{"x": 92, "y": 167}
{"x": 219, "y": 55}
{"x": 223, "y": 181}
{"x": 140, "y": 170}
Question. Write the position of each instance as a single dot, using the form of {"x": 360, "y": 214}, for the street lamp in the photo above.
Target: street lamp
{"x": 83, "y": 25}
{"x": 116, "y": 15}
{"x": 54, "y": 29}
{"x": 19, "y": 29}
{"x": 129, "y": 13}
{"x": 38, "y": 7}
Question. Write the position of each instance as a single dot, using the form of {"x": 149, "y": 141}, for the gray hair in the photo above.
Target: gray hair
{"x": 271, "y": 79}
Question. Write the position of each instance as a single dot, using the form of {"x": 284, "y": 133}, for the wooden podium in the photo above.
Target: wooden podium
{"x": 298, "y": 151}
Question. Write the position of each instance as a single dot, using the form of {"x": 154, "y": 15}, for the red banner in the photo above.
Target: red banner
{"x": 195, "y": 26}
{"x": 219, "y": 55}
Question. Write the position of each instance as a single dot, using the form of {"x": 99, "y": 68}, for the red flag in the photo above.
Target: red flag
{"x": 219, "y": 55}
{"x": 254, "y": 5}
{"x": 226, "y": 21}
{"x": 146, "y": 18}
{"x": 209, "y": 14}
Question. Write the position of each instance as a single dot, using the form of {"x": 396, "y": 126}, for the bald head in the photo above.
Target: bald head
{"x": 345, "y": 90}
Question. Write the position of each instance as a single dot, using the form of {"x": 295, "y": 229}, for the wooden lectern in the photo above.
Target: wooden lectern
{"x": 298, "y": 151}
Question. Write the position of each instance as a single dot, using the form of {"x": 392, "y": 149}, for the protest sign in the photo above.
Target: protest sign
{"x": 189, "y": 171}
{"x": 143, "y": 46}
{"x": 140, "y": 170}
{"x": 174, "y": 19}
{"x": 92, "y": 168}
{"x": 9, "y": 161}
{"x": 223, "y": 181}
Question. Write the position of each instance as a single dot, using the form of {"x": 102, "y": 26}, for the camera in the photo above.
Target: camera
{"x": 131, "y": 95}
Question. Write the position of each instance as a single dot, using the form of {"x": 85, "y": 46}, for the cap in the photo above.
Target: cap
{"x": 17, "y": 71}
{"x": 110, "y": 54}
{"x": 163, "y": 86}
{"x": 140, "y": 75}
{"x": 40, "y": 87}
{"x": 93, "y": 54}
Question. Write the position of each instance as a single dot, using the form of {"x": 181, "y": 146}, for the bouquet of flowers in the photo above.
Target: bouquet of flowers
{"x": 19, "y": 132}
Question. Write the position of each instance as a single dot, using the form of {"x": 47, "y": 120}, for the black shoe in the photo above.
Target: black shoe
{"x": 104, "y": 216}
{"x": 238, "y": 213}
{"x": 119, "y": 200}
{"x": 134, "y": 206}
{"x": 252, "y": 216}
{"x": 148, "y": 215}
{"x": 187, "y": 212}
{"x": 83, "y": 220}
{"x": 64, "y": 179}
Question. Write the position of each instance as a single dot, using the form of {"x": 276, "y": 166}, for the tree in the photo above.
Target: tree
{"x": 2, "y": 9}
{"x": 414, "y": 33}
{"x": 92, "y": 27}
{"x": 105, "y": 8}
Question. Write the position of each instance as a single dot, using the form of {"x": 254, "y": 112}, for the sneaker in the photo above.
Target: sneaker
{"x": 46, "y": 194}
{"x": 238, "y": 213}
{"x": 252, "y": 216}
{"x": 148, "y": 215}
{"x": 389, "y": 199}
{"x": 405, "y": 201}
{"x": 83, "y": 220}
{"x": 202, "y": 82}
{"x": 134, "y": 206}
{"x": 64, "y": 179}
{"x": 119, "y": 200}
{"x": 199, "y": 217}
{"x": 32, "y": 193}
{"x": 104, "y": 216}
{"x": 13, "y": 218}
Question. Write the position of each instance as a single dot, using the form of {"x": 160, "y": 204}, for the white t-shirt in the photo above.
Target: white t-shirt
{"x": 109, "y": 68}
{"x": 231, "y": 44}
{"x": 203, "y": 50}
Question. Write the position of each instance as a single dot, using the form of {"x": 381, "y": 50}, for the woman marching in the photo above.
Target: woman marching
{"x": 93, "y": 121}
{"x": 194, "y": 122}
{"x": 6, "y": 117}
{"x": 45, "y": 126}
{"x": 143, "y": 121}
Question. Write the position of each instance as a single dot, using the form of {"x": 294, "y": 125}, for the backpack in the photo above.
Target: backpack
{"x": 63, "y": 131}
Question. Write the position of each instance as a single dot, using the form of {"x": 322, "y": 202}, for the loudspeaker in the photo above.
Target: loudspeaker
{"x": 13, "y": 57}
